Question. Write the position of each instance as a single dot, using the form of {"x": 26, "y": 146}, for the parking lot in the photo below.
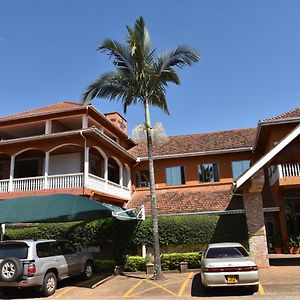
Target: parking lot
{"x": 278, "y": 281}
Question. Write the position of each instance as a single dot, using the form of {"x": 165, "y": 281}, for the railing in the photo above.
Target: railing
{"x": 108, "y": 187}
{"x": 28, "y": 184}
{"x": 64, "y": 181}
{"x": 285, "y": 170}
{"x": 4, "y": 185}
{"x": 290, "y": 170}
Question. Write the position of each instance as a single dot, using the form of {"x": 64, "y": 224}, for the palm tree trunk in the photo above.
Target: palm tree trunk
{"x": 157, "y": 264}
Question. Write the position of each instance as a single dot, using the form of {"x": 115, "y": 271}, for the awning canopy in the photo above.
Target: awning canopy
{"x": 58, "y": 208}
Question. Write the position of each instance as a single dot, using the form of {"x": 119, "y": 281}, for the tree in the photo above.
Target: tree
{"x": 158, "y": 133}
{"x": 141, "y": 76}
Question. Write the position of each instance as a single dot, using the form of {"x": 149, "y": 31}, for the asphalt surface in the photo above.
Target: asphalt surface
{"x": 278, "y": 282}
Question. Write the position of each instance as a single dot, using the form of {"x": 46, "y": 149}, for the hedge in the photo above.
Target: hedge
{"x": 168, "y": 261}
{"x": 104, "y": 265}
{"x": 194, "y": 229}
{"x": 136, "y": 263}
{"x": 123, "y": 236}
{"x": 173, "y": 260}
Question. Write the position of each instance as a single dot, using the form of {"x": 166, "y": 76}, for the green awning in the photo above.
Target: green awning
{"x": 57, "y": 208}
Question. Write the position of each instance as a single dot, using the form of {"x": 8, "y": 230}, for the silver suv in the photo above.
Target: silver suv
{"x": 41, "y": 263}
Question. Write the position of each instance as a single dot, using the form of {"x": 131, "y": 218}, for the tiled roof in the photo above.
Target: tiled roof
{"x": 294, "y": 113}
{"x": 45, "y": 109}
{"x": 188, "y": 199}
{"x": 202, "y": 142}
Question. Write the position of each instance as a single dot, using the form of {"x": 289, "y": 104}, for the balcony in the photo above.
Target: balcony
{"x": 284, "y": 174}
{"x": 64, "y": 181}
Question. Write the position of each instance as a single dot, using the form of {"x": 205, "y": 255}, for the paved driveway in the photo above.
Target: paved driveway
{"x": 276, "y": 283}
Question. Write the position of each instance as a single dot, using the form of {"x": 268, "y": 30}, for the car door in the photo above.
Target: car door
{"x": 61, "y": 262}
{"x": 72, "y": 257}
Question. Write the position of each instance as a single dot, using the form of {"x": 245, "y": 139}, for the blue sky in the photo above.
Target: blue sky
{"x": 250, "y": 49}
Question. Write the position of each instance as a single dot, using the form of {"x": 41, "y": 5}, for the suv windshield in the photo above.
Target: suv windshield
{"x": 19, "y": 250}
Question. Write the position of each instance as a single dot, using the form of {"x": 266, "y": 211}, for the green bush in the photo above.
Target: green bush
{"x": 136, "y": 263}
{"x": 104, "y": 265}
{"x": 173, "y": 260}
{"x": 194, "y": 229}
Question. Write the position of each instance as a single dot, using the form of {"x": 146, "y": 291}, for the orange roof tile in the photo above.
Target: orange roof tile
{"x": 202, "y": 142}
{"x": 189, "y": 199}
{"x": 45, "y": 109}
{"x": 294, "y": 113}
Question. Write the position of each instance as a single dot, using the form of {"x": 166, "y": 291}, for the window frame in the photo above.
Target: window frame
{"x": 184, "y": 176}
{"x": 217, "y": 168}
{"x": 241, "y": 160}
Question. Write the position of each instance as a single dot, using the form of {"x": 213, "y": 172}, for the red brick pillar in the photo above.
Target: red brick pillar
{"x": 253, "y": 206}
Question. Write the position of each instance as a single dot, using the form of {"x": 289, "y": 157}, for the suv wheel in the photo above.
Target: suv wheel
{"x": 10, "y": 269}
{"x": 88, "y": 270}
{"x": 49, "y": 284}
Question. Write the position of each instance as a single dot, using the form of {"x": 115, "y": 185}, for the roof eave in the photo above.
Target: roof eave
{"x": 200, "y": 153}
{"x": 265, "y": 159}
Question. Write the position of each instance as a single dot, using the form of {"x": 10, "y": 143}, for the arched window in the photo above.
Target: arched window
{"x": 96, "y": 163}
{"x": 29, "y": 163}
{"x": 113, "y": 171}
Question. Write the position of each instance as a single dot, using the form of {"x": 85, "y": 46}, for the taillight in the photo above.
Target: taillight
{"x": 31, "y": 269}
{"x": 231, "y": 269}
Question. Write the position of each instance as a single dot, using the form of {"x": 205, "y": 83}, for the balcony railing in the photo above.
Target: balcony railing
{"x": 281, "y": 171}
{"x": 64, "y": 181}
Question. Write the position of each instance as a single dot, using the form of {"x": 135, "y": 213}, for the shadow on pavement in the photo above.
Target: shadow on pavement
{"x": 198, "y": 290}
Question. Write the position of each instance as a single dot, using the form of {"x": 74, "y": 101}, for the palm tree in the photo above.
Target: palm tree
{"x": 141, "y": 76}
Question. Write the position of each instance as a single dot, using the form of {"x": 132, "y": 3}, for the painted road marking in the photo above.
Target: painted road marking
{"x": 152, "y": 288}
{"x": 133, "y": 288}
{"x": 162, "y": 287}
{"x": 261, "y": 289}
{"x": 185, "y": 283}
{"x": 65, "y": 291}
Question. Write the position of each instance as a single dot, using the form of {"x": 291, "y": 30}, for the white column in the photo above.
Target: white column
{"x": 11, "y": 173}
{"x": 280, "y": 171}
{"x": 48, "y": 127}
{"x": 121, "y": 175}
{"x": 144, "y": 251}
{"x": 46, "y": 171}
{"x": 86, "y": 165}
{"x": 85, "y": 122}
{"x": 106, "y": 169}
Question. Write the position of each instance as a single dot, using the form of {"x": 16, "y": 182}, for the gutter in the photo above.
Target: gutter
{"x": 202, "y": 153}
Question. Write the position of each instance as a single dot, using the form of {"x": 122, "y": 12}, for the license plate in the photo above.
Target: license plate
{"x": 232, "y": 279}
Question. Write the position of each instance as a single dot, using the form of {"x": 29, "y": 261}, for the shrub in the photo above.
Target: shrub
{"x": 173, "y": 260}
{"x": 136, "y": 263}
{"x": 104, "y": 266}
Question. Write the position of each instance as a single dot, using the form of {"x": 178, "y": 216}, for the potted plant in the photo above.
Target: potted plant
{"x": 294, "y": 244}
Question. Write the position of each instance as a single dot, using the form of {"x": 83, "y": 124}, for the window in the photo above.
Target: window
{"x": 208, "y": 172}
{"x": 175, "y": 176}
{"x": 224, "y": 252}
{"x": 239, "y": 167}
{"x": 43, "y": 250}
{"x": 142, "y": 178}
{"x": 19, "y": 250}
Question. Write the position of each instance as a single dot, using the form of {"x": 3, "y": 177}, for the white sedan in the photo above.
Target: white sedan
{"x": 228, "y": 264}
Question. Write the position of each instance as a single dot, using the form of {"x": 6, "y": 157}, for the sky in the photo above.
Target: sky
{"x": 249, "y": 68}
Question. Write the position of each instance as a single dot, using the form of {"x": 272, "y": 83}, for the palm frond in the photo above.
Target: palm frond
{"x": 179, "y": 57}
{"x": 122, "y": 57}
{"x": 109, "y": 85}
